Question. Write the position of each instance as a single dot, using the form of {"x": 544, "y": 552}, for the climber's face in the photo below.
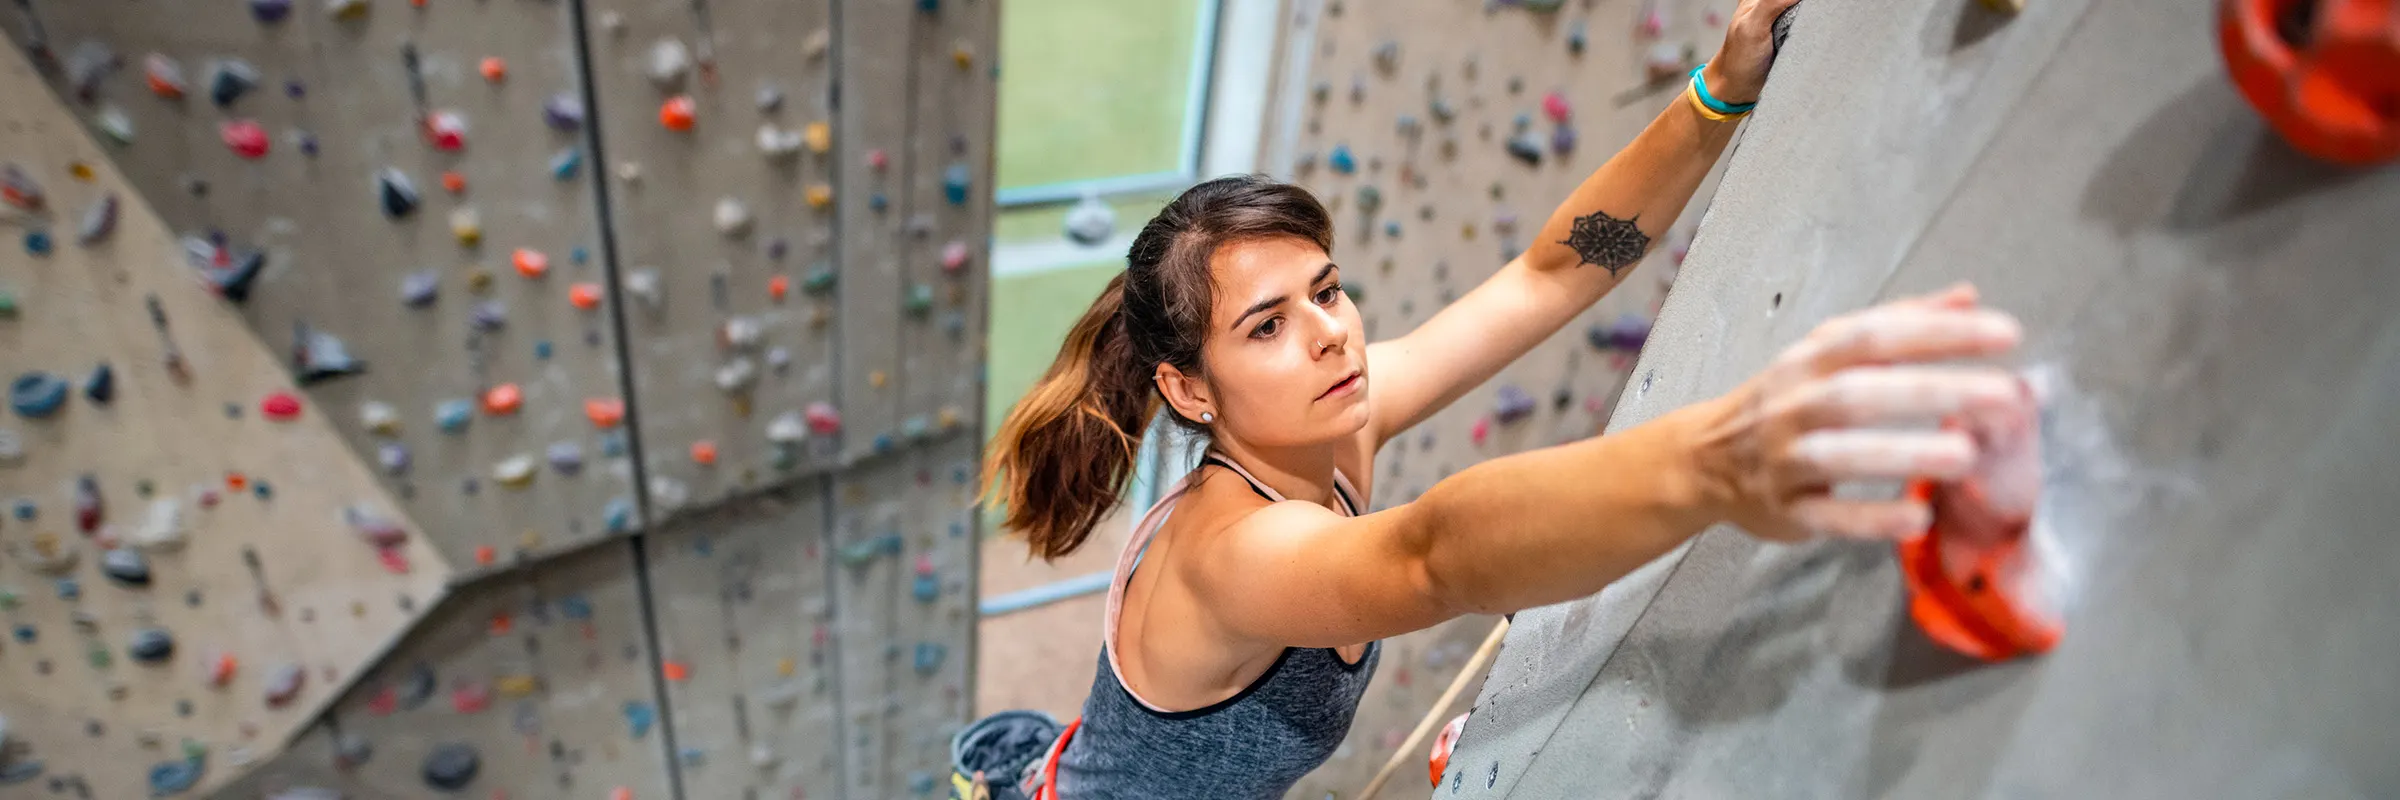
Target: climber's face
{"x": 1286, "y": 356}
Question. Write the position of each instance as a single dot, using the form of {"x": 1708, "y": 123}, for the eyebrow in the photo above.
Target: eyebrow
{"x": 1277, "y": 300}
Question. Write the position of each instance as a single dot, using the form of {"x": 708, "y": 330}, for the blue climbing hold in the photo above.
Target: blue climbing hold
{"x": 958, "y": 529}
{"x": 929, "y": 6}
{"x": 452, "y": 416}
{"x": 36, "y": 395}
{"x": 1391, "y": 228}
{"x": 541, "y": 350}
{"x": 929, "y": 657}
{"x": 68, "y": 589}
{"x": 37, "y": 242}
{"x": 920, "y": 782}
{"x": 564, "y": 165}
{"x": 26, "y": 634}
{"x": 955, "y": 182}
{"x": 270, "y": 10}
{"x": 1341, "y": 160}
{"x": 1514, "y": 405}
{"x": 926, "y": 588}
{"x": 613, "y": 444}
{"x": 101, "y": 386}
{"x": 703, "y": 548}
{"x": 916, "y": 427}
{"x": 174, "y": 777}
{"x": 883, "y": 443}
{"x": 23, "y": 508}
{"x": 262, "y": 489}
{"x": 639, "y": 716}
{"x": 575, "y": 607}
{"x": 878, "y": 202}
{"x": 618, "y": 515}
{"x": 579, "y": 255}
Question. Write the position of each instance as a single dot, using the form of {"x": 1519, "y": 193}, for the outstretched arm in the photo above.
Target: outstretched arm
{"x": 1587, "y": 246}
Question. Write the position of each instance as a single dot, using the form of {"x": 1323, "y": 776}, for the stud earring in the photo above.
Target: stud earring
{"x": 1206, "y": 417}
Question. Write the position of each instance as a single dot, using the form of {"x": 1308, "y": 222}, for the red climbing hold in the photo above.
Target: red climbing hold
{"x": 529, "y": 262}
{"x": 2324, "y": 73}
{"x": 280, "y": 406}
{"x": 446, "y": 130}
{"x": 1554, "y": 105}
{"x": 678, "y": 113}
{"x": 605, "y": 412}
{"x": 823, "y": 419}
{"x": 392, "y": 559}
{"x": 778, "y": 287}
{"x": 485, "y": 555}
{"x": 677, "y": 672}
{"x": 1481, "y": 431}
{"x": 494, "y": 69}
{"x": 248, "y": 139}
{"x": 454, "y": 182}
{"x": 221, "y": 672}
{"x": 505, "y": 398}
{"x": 385, "y": 701}
{"x": 704, "y": 452}
{"x": 470, "y": 698}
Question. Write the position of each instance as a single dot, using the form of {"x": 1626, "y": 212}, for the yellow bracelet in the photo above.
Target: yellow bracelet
{"x": 1692, "y": 95}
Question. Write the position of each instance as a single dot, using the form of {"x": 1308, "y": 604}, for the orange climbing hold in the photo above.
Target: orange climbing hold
{"x": 485, "y": 555}
{"x": 778, "y": 286}
{"x": 704, "y": 452}
{"x": 454, "y": 182}
{"x": 529, "y": 262}
{"x": 677, "y": 672}
{"x": 494, "y": 69}
{"x": 620, "y": 793}
{"x": 605, "y": 412}
{"x": 505, "y": 398}
{"x": 221, "y": 672}
{"x": 585, "y": 296}
{"x": 501, "y": 624}
{"x": 236, "y": 481}
{"x": 678, "y": 113}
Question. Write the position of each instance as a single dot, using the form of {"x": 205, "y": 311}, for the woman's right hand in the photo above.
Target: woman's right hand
{"x": 1851, "y": 402}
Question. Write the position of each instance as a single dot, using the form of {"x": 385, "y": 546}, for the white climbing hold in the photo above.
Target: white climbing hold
{"x": 787, "y": 428}
{"x": 162, "y": 526}
{"x": 643, "y": 284}
{"x": 1090, "y": 222}
{"x": 731, "y": 217}
{"x": 630, "y": 172}
{"x": 514, "y": 472}
{"x": 112, "y": 120}
{"x": 776, "y": 142}
{"x": 12, "y": 449}
{"x": 669, "y": 61}
{"x": 667, "y": 493}
{"x": 815, "y": 45}
{"x": 741, "y": 332}
{"x": 781, "y": 696}
{"x": 763, "y": 757}
{"x": 737, "y": 374}
{"x": 778, "y": 357}
{"x": 379, "y": 417}
{"x": 613, "y": 22}
{"x": 376, "y": 529}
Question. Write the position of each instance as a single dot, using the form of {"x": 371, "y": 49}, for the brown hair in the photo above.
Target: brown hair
{"x": 1061, "y": 460}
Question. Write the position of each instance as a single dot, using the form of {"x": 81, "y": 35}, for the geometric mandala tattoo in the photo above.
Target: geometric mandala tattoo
{"x": 1608, "y": 242}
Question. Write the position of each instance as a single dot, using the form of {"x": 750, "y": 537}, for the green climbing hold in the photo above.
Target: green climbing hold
{"x": 920, "y": 300}
{"x": 819, "y": 281}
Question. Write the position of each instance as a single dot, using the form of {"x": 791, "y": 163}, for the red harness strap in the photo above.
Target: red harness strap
{"x": 1049, "y": 787}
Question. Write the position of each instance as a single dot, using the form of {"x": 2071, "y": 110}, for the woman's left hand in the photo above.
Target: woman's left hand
{"x": 1740, "y": 69}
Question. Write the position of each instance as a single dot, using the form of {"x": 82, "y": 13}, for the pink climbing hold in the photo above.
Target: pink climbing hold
{"x": 385, "y": 701}
{"x": 878, "y": 159}
{"x": 924, "y": 564}
{"x": 823, "y": 419}
{"x": 470, "y": 698}
{"x": 393, "y": 560}
{"x": 247, "y": 138}
{"x": 954, "y": 256}
{"x": 1481, "y": 431}
{"x": 446, "y": 130}
{"x": 280, "y": 406}
{"x": 1554, "y": 105}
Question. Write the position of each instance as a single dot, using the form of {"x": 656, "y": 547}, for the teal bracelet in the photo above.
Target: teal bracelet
{"x": 1700, "y": 87}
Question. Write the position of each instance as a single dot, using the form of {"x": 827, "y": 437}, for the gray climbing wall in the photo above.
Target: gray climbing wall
{"x": 337, "y": 106}
{"x": 1426, "y": 208}
{"x": 2208, "y": 315}
{"x": 585, "y": 222}
{"x": 167, "y": 503}
{"x": 544, "y": 675}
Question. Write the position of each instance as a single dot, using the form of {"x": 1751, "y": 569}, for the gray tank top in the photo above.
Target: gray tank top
{"x": 1252, "y": 746}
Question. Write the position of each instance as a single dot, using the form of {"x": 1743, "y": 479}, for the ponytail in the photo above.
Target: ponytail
{"x": 1061, "y": 461}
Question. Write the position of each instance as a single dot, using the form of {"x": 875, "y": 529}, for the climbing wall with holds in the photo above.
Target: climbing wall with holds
{"x": 2208, "y": 326}
{"x": 1441, "y": 135}
{"x": 746, "y": 646}
{"x": 526, "y": 685}
{"x": 904, "y": 600}
{"x": 399, "y": 195}
{"x": 191, "y": 564}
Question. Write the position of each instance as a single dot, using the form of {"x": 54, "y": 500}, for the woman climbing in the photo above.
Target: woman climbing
{"x": 1235, "y": 654}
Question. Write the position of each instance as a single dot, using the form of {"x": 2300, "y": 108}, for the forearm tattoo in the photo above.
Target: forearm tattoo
{"x": 1611, "y": 243}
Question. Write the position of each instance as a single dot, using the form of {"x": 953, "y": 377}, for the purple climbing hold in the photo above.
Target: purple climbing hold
{"x": 563, "y": 111}
{"x": 1562, "y": 141}
{"x": 1514, "y": 405}
{"x": 318, "y": 356}
{"x": 489, "y": 315}
{"x": 295, "y": 89}
{"x": 284, "y": 684}
{"x": 376, "y": 529}
{"x": 393, "y": 457}
{"x": 566, "y": 457}
{"x": 418, "y": 289}
{"x": 1629, "y": 333}
{"x": 270, "y": 11}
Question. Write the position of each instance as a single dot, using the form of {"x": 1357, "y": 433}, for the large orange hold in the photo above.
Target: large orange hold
{"x": 605, "y": 412}
{"x": 678, "y": 113}
{"x": 530, "y": 263}
{"x": 585, "y": 296}
{"x": 505, "y": 398}
{"x": 704, "y": 452}
{"x": 2324, "y": 73}
{"x": 494, "y": 69}
{"x": 676, "y": 671}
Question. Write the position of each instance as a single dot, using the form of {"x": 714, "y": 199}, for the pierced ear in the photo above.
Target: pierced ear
{"x": 1187, "y": 394}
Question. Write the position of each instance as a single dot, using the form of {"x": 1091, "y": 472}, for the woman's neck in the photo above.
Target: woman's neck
{"x": 1297, "y": 473}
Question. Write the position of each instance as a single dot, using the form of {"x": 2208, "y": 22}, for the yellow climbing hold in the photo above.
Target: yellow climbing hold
{"x": 819, "y": 137}
{"x": 877, "y": 379}
{"x": 785, "y": 667}
{"x": 529, "y": 540}
{"x": 513, "y": 686}
{"x": 81, "y": 171}
{"x": 962, "y": 54}
{"x": 820, "y": 195}
{"x": 479, "y": 279}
